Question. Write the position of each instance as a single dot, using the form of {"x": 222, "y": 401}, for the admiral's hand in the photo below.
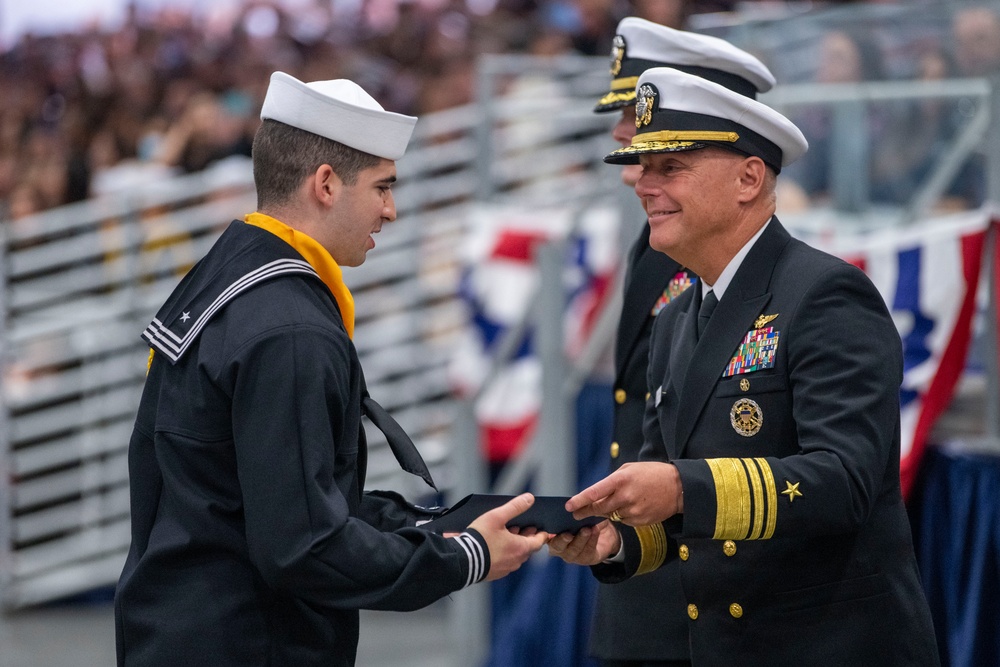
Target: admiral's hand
{"x": 508, "y": 549}
{"x": 590, "y": 546}
{"x": 637, "y": 494}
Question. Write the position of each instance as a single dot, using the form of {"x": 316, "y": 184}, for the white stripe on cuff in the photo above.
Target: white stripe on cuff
{"x": 477, "y": 559}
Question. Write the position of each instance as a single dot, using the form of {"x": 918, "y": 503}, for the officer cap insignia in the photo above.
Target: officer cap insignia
{"x": 645, "y": 102}
{"x": 690, "y": 113}
{"x": 640, "y": 45}
{"x": 617, "y": 54}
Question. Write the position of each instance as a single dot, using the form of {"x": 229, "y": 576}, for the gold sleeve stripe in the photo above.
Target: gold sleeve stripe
{"x": 732, "y": 494}
{"x": 624, "y": 82}
{"x": 653, "y": 541}
{"x": 757, "y": 488}
{"x": 746, "y": 498}
{"x": 771, "y": 493}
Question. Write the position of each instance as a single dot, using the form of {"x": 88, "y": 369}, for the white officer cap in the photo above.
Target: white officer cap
{"x": 676, "y": 111}
{"x": 339, "y": 110}
{"x": 640, "y": 45}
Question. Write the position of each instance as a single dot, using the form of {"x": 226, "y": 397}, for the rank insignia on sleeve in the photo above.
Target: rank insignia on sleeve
{"x": 680, "y": 282}
{"x": 746, "y": 417}
{"x": 755, "y": 353}
{"x": 792, "y": 491}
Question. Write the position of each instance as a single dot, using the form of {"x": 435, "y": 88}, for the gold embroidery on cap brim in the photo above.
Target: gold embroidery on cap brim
{"x": 653, "y": 146}
{"x": 627, "y": 82}
{"x": 615, "y": 98}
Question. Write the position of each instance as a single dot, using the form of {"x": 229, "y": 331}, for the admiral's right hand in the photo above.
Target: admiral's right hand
{"x": 592, "y": 545}
{"x": 508, "y": 550}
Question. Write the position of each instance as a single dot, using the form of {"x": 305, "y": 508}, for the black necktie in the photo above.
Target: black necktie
{"x": 708, "y": 305}
{"x": 399, "y": 442}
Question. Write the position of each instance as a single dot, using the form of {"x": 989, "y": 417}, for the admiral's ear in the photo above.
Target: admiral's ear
{"x": 326, "y": 185}
{"x": 752, "y": 176}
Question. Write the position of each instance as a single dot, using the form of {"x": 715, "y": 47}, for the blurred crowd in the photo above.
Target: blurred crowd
{"x": 171, "y": 91}
{"x": 901, "y": 141}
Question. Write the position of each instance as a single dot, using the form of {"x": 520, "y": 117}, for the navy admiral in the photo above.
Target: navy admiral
{"x": 770, "y": 467}
{"x": 641, "y": 621}
{"x": 253, "y": 541}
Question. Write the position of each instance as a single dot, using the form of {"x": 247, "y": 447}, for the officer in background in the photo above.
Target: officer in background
{"x": 641, "y": 622}
{"x": 770, "y": 467}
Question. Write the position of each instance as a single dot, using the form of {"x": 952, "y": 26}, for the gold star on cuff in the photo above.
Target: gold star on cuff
{"x": 792, "y": 491}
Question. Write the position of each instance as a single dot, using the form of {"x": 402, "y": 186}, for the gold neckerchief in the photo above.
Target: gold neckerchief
{"x": 318, "y": 257}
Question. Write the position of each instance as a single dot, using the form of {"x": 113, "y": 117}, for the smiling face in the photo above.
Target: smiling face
{"x": 359, "y": 212}
{"x": 623, "y": 132}
{"x": 691, "y": 199}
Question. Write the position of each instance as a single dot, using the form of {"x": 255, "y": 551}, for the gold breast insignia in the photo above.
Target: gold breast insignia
{"x": 764, "y": 319}
{"x": 746, "y": 417}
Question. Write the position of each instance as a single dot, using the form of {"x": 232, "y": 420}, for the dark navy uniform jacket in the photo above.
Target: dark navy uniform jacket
{"x": 252, "y": 540}
{"x": 643, "y": 618}
{"x": 783, "y": 420}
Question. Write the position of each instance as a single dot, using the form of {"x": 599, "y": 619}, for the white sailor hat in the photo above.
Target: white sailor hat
{"x": 640, "y": 45}
{"x": 339, "y": 110}
{"x": 676, "y": 111}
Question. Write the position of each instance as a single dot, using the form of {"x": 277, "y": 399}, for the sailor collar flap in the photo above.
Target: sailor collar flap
{"x": 243, "y": 258}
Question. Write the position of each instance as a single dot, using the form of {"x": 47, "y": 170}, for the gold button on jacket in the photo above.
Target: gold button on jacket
{"x": 729, "y": 548}
{"x": 692, "y": 612}
{"x": 620, "y": 396}
{"x": 682, "y": 551}
{"x": 614, "y": 450}
{"x": 735, "y": 610}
